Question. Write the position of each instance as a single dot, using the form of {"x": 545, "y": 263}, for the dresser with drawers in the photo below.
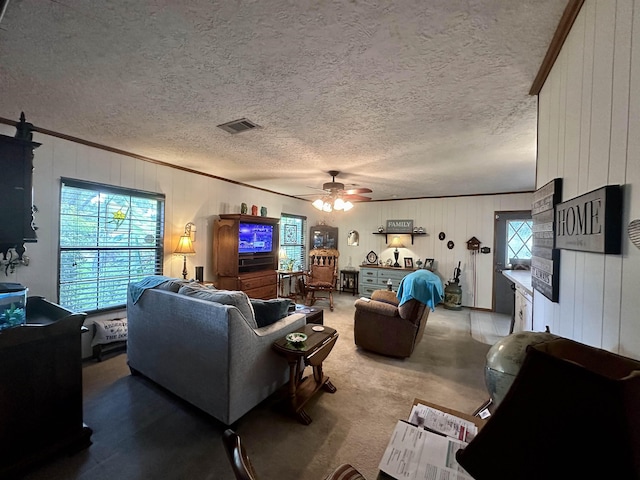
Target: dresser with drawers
{"x": 376, "y": 278}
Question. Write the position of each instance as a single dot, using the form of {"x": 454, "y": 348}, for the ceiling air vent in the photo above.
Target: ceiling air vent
{"x": 238, "y": 126}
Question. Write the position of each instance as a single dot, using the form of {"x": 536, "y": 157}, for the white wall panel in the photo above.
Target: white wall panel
{"x": 189, "y": 198}
{"x": 598, "y": 74}
{"x": 600, "y": 135}
{"x": 589, "y": 12}
{"x": 573, "y": 109}
{"x": 629, "y": 324}
{"x": 459, "y": 218}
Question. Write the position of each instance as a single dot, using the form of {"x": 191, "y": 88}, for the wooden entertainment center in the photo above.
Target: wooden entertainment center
{"x": 253, "y": 273}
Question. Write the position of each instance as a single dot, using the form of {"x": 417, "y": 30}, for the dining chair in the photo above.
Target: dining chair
{"x": 243, "y": 469}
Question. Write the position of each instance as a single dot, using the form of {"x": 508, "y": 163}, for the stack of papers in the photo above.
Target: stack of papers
{"x": 445, "y": 423}
{"x": 425, "y": 446}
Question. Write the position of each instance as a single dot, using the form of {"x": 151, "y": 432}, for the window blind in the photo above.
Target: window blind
{"x": 109, "y": 236}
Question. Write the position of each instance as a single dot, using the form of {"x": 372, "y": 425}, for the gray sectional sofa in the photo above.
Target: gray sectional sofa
{"x": 208, "y": 353}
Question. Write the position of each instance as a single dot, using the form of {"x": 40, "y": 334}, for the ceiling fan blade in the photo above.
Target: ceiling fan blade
{"x": 356, "y": 198}
{"x": 352, "y": 191}
{"x": 316, "y": 188}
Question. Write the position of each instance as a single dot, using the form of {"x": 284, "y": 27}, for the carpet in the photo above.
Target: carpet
{"x": 489, "y": 327}
{"x": 141, "y": 431}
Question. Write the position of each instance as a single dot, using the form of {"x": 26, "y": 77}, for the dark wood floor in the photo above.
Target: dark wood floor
{"x": 140, "y": 432}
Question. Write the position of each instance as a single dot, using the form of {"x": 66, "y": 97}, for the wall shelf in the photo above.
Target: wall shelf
{"x": 413, "y": 234}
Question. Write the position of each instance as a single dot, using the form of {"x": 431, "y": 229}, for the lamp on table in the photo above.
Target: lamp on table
{"x": 396, "y": 243}
{"x": 185, "y": 247}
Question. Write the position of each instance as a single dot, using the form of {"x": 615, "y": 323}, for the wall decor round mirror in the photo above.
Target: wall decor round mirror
{"x": 442, "y": 236}
{"x": 353, "y": 238}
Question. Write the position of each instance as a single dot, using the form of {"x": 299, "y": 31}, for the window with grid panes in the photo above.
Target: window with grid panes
{"x": 292, "y": 242}
{"x": 519, "y": 239}
{"x": 109, "y": 236}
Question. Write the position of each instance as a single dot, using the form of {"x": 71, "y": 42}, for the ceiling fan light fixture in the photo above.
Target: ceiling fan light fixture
{"x": 335, "y": 194}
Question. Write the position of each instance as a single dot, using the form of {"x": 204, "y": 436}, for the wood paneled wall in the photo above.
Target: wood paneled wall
{"x": 189, "y": 198}
{"x": 589, "y": 135}
{"x": 460, "y": 218}
{"x": 198, "y": 199}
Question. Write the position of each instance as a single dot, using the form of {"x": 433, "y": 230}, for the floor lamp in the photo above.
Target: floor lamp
{"x": 185, "y": 247}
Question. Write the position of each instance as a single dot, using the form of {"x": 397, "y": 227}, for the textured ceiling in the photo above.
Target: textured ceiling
{"x": 410, "y": 98}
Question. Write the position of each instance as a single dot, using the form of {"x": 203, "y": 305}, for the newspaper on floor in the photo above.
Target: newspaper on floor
{"x": 416, "y": 453}
{"x": 445, "y": 423}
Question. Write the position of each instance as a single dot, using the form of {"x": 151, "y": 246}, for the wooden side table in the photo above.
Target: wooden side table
{"x": 313, "y": 352}
{"x": 293, "y": 289}
{"x": 313, "y": 314}
{"x": 349, "y": 281}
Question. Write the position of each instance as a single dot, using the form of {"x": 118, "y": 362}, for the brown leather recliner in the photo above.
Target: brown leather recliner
{"x": 383, "y": 327}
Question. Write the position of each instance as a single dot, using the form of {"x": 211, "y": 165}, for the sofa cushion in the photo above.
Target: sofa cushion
{"x": 270, "y": 311}
{"x": 226, "y": 297}
{"x": 172, "y": 285}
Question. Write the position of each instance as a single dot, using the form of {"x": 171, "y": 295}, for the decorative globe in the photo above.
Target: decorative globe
{"x": 505, "y": 358}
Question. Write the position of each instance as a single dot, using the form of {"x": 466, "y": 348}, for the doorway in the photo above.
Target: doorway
{"x": 513, "y": 236}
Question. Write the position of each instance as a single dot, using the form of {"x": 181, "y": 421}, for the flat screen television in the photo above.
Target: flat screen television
{"x": 255, "y": 238}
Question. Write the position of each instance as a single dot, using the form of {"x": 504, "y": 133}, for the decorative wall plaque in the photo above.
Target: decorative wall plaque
{"x": 591, "y": 222}
{"x": 399, "y": 226}
{"x": 545, "y": 261}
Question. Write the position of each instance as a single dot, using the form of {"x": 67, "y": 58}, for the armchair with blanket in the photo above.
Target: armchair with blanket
{"x": 392, "y": 324}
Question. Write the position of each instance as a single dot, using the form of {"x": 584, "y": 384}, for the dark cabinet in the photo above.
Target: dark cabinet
{"x": 16, "y": 208}
{"x": 240, "y": 266}
{"x": 41, "y": 388}
{"x": 323, "y": 236}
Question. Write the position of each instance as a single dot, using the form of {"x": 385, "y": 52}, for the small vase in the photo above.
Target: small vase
{"x": 254, "y": 210}
{"x": 243, "y": 208}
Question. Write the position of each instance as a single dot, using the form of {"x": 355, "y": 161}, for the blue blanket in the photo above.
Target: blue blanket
{"x": 136, "y": 289}
{"x": 424, "y": 286}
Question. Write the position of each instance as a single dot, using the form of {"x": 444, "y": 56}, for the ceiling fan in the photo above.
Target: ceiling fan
{"x": 336, "y": 197}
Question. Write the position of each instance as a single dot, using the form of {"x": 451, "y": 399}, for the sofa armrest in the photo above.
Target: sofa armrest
{"x": 385, "y": 296}
{"x": 376, "y": 308}
{"x": 279, "y": 326}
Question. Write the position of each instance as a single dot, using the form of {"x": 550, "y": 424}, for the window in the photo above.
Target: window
{"x": 519, "y": 239}
{"x": 109, "y": 236}
{"x": 292, "y": 242}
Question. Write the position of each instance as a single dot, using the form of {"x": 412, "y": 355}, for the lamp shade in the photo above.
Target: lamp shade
{"x": 572, "y": 412}
{"x": 185, "y": 247}
{"x": 396, "y": 243}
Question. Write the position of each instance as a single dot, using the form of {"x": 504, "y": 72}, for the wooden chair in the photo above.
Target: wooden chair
{"x": 322, "y": 276}
{"x": 243, "y": 469}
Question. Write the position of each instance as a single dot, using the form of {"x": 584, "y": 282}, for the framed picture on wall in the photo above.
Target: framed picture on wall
{"x": 290, "y": 234}
{"x": 408, "y": 262}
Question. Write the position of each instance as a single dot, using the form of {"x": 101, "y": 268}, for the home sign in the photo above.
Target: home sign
{"x": 591, "y": 222}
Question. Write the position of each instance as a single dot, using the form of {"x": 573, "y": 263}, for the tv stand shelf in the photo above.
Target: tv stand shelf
{"x": 253, "y": 273}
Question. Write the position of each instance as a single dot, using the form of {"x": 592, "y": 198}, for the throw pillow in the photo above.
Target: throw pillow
{"x": 270, "y": 311}
{"x": 109, "y": 331}
{"x": 235, "y": 298}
